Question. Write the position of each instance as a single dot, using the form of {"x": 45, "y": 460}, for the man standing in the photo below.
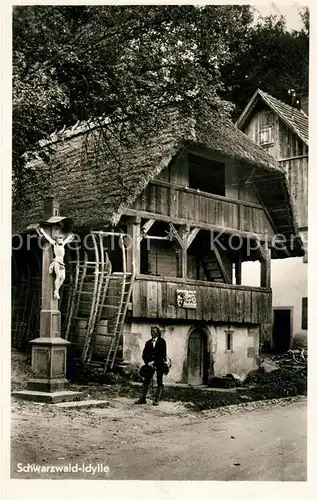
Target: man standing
{"x": 154, "y": 357}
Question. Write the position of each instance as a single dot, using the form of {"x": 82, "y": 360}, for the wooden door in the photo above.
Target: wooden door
{"x": 196, "y": 357}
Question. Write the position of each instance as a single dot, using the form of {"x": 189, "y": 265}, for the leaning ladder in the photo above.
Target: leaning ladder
{"x": 122, "y": 308}
{"x": 103, "y": 276}
{"x": 79, "y": 278}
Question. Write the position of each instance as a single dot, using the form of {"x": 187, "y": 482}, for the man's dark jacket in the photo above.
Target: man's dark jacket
{"x": 158, "y": 354}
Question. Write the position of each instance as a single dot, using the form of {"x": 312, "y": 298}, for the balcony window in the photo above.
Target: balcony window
{"x": 206, "y": 175}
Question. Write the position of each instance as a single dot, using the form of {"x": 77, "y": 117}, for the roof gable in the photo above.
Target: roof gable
{"x": 293, "y": 118}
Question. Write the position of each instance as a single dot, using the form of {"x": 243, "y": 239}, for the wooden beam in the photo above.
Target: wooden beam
{"x": 238, "y": 270}
{"x": 153, "y": 237}
{"x": 181, "y": 240}
{"x": 201, "y": 225}
{"x": 146, "y": 227}
{"x": 176, "y": 235}
{"x": 133, "y": 247}
{"x": 220, "y": 263}
{"x": 191, "y": 236}
{"x": 183, "y": 233}
{"x": 265, "y": 253}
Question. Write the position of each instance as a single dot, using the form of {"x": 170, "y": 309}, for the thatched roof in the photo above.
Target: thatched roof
{"x": 295, "y": 119}
{"x": 96, "y": 180}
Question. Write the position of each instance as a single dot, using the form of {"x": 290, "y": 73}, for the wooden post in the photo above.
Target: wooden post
{"x": 183, "y": 233}
{"x": 238, "y": 270}
{"x": 265, "y": 265}
{"x": 184, "y": 263}
{"x": 133, "y": 245}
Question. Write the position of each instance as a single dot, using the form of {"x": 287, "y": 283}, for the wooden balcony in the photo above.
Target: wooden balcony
{"x": 156, "y": 297}
{"x": 202, "y": 209}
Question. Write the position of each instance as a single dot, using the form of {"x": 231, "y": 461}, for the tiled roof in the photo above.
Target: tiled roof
{"x": 294, "y": 118}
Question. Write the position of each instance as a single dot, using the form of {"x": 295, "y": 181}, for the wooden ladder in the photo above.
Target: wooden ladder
{"x": 103, "y": 305}
{"x": 118, "y": 324}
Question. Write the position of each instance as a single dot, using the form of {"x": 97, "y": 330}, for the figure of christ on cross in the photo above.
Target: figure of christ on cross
{"x": 57, "y": 265}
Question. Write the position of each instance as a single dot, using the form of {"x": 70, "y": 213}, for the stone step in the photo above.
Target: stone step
{"x": 87, "y": 403}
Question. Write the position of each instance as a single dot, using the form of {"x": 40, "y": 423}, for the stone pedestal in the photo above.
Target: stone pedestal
{"x": 49, "y": 383}
{"x": 48, "y": 364}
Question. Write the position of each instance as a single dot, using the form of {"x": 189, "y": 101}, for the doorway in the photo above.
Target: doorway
{"x": 282, "y": 330}
{"x": 197, "y": 357}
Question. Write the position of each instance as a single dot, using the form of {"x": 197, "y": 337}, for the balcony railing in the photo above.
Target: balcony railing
{"x": 179, "y": 202}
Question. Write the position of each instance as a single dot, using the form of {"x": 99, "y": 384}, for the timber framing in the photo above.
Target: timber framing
{"x": 145, "y": 228}
{"x": 202, "y": 225}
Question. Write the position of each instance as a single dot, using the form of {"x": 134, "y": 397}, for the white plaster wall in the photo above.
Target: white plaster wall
{"x": 289, "y": 286}
{"x": 176, "y": 337}
{"x": 237, "y": 359}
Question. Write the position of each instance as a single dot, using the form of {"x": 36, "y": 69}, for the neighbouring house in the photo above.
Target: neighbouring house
{"x": 282, "y": 131}
{"x": 164, "y": 226}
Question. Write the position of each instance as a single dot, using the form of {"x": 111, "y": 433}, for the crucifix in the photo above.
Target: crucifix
{"x": 57, "y": 265}
{"x": 49, "y": 350}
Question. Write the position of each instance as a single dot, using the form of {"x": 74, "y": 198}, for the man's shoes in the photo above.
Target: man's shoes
{"x": 140, "y": 401}
{"x": 157, "y": 396}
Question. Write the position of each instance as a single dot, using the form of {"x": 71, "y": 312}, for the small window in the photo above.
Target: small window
{"x": 304, "y": 313}
{"x": 266, "y": 135}
{"x": 266, "y": 118}
{"x": 229, "y": 341}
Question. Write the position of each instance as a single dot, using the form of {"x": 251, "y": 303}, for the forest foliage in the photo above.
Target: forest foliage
{"x": 129, "y": 63}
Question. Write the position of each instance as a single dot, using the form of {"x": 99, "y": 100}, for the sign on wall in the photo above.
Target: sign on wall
{"x": 186, "y": 298}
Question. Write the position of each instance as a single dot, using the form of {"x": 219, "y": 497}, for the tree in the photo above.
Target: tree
{"x": 124, "y": 62}
{"x": 272, "y": 59}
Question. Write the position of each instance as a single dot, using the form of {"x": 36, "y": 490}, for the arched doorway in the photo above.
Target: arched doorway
{"x": 197, "y": 357}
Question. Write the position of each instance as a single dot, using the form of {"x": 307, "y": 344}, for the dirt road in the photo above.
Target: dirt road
{"x": 259, "y": 445}
{"x": 256, "y": 441}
